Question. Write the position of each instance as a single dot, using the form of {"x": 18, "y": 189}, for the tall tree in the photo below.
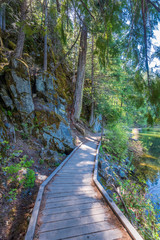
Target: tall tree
{"x": 92, "y": 85}
{"x": 21, "y": 35}
{"x": 3, "y": 17}
{"x": 45, "y": 36}
{"x": 80, "y": 73}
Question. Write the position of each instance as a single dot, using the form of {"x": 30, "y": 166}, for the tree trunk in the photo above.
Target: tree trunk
{"x": 21, "y": 36}
{"x": 3, "y": 17}
{"x": 75, "y": 51}
{"x": 92, "y": 91}
{"x": 145, "y": 37}
{"x": 78, "y": 96}
{"x": 58, "y": 6}
{"x": 45, "y": 37}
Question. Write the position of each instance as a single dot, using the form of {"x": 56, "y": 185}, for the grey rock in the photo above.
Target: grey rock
{"x": 2, "y": 135}
{"x": 60, "y": 138}
{"x": 40, "y": 83}
{"x": 18, "y": 82}
{"x": 6, "y": 98}
{"x": 11, "y": 132}
{"x": 45, "y": 83}
{"x": 108, "y": 157}
{"x": 122, "y": 173}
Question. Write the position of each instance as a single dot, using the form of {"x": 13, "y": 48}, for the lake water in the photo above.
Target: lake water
{"x": 149, "y": 167}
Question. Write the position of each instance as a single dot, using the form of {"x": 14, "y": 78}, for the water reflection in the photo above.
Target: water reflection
{"x": 149, "y": 167}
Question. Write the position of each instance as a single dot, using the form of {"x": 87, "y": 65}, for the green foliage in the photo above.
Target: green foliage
{"x": 12, "y": 195}
{"x": 41, "y": 161}
{"x": 19, "y": 174}
{"x": 115, "y": 141}
{"x": 133, "y": 190}
{"x": 56, "y": 164}
{"x": 141, "y": 210}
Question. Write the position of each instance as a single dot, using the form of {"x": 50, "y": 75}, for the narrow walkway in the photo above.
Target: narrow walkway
{"x": 73, "y": 208}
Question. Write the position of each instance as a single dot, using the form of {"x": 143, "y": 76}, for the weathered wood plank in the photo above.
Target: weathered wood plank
{"x": 68, "y": 193}
{"x": 69, "y": 198}
{"x": 74, "y": 175}
{"x": 114, "y": 234}
{"x": 72, "y": 202}
{"x": 73, "y": 222}
{"x": 71, "y": 181}
{"x": 70, "y": 188}
{"x": 71, "y": 208}
{"x": 76, "y": 231}
{"x": 75, "y": 214}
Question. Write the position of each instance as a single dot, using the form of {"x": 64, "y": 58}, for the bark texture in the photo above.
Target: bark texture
{"x": 3, "y": 17}
{"x": 45, "y": 36}
{"x": 144, "y": 16}
{"x": 91, "y": 121}
{"x": 21, "y": 35}
{"x": 78, "y": 96}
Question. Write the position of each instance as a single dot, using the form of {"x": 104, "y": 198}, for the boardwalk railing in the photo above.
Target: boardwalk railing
{"x": 128, "y": 226}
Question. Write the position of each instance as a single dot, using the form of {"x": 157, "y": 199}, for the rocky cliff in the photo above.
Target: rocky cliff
{"x": 36, "y": 103}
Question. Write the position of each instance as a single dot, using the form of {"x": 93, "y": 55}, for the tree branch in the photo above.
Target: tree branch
{"x": 156, "y": 7}
{"x": 87, "y": 9}
{"x": 60, "y": 62}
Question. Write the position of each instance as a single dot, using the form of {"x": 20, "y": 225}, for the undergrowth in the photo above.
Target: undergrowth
{"x": 131, "y": 191}
{"x": 16, "y": 167}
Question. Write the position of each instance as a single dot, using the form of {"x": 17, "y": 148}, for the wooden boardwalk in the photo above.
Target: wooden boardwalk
{"x": 73, "y": 208}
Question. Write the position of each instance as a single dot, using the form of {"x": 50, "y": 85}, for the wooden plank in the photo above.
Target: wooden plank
{"x": 50, "y": 194}
{"x": 103, "y": 235}
{"x": 32, "y": 224}
{"x": 75, "y": 214}
{"x": 71, "y": 181}
{"x": 69, "y": 198}
{"x": 74, "y": 175}
{"x": 76, "y": 231}
{"x": 85, "y": 167}
{"x": 70, "y": 203}
{"x": 69, "y": 185}
{"x": 73, "y": 222}
{"x": 67, "y": 171}
{"x": 70, "y": 188}
{"x": 71, "y": 208}
{"x": 80, "y": 164}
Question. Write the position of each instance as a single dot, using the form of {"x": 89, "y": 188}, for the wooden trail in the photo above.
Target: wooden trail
{"x": 73, "y": 208}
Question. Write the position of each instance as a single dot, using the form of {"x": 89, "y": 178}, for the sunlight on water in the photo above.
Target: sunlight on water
{"x": 149, "y": 167}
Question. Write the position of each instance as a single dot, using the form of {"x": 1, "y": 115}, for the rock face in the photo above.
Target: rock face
{"x": 7, "y": 131}
{"x": 45, "y": 113}
{"x": 50, "y": 110}
{"x": 19, "y": 86}
{"x": 5, "y": 97}
{"x": 54, "y": 128}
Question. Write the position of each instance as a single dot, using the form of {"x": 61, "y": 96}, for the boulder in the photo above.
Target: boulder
{"x": 5, "y": 97}
{"x": 55, "y": 132}
{"x": 58, "y": 138}
{"x": 19, "y": 85}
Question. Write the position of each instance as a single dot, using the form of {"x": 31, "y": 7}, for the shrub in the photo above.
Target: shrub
{"x": 116, "y": 142}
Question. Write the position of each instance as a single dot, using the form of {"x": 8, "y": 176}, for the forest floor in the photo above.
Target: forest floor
{"x": 16, "y": 213}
